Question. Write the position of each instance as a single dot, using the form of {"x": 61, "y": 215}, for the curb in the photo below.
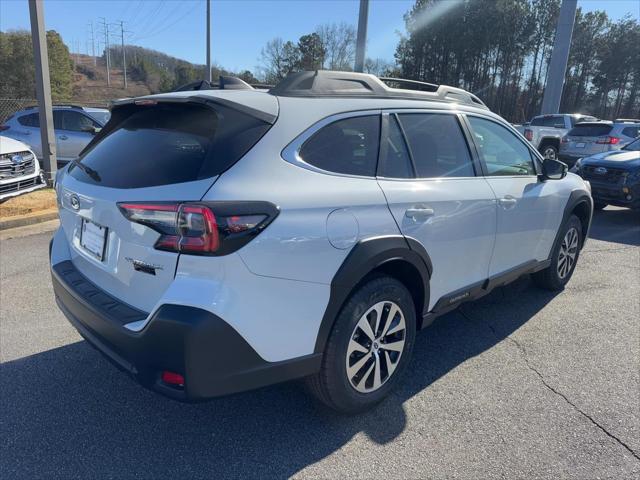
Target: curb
{"x": 28, "y": 219}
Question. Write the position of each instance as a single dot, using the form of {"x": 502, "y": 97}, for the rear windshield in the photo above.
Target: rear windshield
{"x": 590, "y": 130}
{"x": 167, "y": 143}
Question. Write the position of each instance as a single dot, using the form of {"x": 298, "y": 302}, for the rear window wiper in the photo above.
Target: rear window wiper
{"x": 88, "y": 170}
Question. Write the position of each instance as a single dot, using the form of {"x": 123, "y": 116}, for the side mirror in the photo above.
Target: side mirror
{"x": 91, "y": 129}
{"x": 554, "y": 169}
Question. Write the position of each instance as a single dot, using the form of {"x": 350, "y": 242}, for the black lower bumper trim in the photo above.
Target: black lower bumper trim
{"x": 212, "y": 356}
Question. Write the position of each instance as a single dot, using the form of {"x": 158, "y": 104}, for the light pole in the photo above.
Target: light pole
{"x": 362, "y": 35}
{"x": 559, "y": 58}
{"x": 209, "y": 40}
{"x": 43, "y": 88}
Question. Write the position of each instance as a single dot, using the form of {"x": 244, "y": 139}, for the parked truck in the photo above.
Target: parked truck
{"x": 546, "y": 131}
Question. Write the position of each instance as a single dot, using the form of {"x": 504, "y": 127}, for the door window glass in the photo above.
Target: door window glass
{"x": 437, "y": 144}
{"x": 31, "y": 120}
{"x": 74, "y": 121}
{"x": 503, "y": 152}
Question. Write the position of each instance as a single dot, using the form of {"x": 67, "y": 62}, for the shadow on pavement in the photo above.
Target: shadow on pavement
{"x": 68, "y": 412}
{"x": 618, "y": 225}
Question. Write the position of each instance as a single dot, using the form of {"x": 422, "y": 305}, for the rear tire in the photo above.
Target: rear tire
{"x": 599, "y": 205}
{"x": 549, "y": 151}
{"x": 362, "y": 364}
{"x": 564, "y": 257}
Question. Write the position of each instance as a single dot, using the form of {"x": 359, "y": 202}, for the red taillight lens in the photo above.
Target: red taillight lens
{"x": 194, "y": 228}
{"x": 528, "y": 134}
{"x": 609, "y": 141}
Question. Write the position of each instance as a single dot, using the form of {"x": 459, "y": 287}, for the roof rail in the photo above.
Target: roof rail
{"x": 65, "y": 105}
{"x": 627, "y": 120}
{"x": 226, "y": 82}
{"x": 325, "y": 83}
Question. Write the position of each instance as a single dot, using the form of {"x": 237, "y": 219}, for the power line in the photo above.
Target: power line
{"x": 170, "y": 25}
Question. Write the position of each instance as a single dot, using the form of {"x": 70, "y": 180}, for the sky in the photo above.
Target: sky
{"x": 240, "y": 28}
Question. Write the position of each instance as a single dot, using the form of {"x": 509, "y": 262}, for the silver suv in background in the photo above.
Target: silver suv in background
{"x": 546, "y": 131}
{"x": 74, "y": 128}
{"x": 590, "y": 138}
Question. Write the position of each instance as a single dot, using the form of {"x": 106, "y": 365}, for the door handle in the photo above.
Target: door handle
{"x": 508, "y": 201}
{"x": 419, "y": 212}
{"x": 63, "y": 137}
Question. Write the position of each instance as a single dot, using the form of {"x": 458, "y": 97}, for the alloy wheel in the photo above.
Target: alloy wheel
{"x": 549, "y": 153}
{"x": 375, "y": 347}
{"x": 568, "y": 252}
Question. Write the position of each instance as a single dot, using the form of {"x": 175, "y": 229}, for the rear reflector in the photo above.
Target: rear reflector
{"x": 172, "y": 378}
{"x": 528, "y": 134}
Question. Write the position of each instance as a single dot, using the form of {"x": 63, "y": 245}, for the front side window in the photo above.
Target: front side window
{"x": 437, "y": 145}
{"x": 348, "y": 146}
{"x": 503, "y": 153}
{"x": 72, "y": 121}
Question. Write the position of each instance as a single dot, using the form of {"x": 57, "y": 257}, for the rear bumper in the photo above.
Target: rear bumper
{"x": 213, "y": 357}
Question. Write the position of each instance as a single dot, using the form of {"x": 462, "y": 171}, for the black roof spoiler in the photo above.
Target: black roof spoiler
{"x": 226, "y": 82}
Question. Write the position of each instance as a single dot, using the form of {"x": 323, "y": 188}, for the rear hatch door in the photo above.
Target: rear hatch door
{"x": 151, "y": 153}
{"x": 584, "y": 138}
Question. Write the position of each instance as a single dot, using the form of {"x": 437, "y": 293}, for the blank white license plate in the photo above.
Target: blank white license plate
{"x": 93, "y": 238}
{"x": 580, "y": 145}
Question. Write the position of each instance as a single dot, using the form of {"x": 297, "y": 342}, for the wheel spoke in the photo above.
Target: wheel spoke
{"x": 356, "y": 347}
{"x": 365, "y": 326}
{"x": 395, "y": 346}
{"x": 353, "y": 370}
{"x": 377, "y": 375}
{"x": 390, "y": 365}
{"x": 378, "y": 308}
{"x": 393, "y": 310}
{"x": 367, "y": 374}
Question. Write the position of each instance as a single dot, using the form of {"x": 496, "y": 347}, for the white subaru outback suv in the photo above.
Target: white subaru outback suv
{"x": 217, "y": 241}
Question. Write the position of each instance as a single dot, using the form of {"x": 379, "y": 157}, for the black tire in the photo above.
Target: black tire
{"x": 550, "y": 278}
{"x": 599, "y": 205}
{"x": 332, "y": 385}
{"x": 549, "y": 150}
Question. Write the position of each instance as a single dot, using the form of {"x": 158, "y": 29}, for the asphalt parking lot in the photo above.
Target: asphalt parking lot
{"x": 521, "y": 384}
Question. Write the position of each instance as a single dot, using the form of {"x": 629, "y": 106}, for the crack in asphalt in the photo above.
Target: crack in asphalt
{"x": 525, "y": 357}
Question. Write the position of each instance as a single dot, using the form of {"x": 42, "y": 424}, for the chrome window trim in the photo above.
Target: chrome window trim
{"x": 291, "y": 153}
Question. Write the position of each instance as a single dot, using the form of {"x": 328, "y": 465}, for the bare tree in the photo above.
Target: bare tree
{"x": 339, "y": 43}
{"x": 379, "y": 67}
{"x": 277, "y": 59}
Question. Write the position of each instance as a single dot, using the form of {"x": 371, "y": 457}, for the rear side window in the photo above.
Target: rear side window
{"x": 348, "y": 146}
{"x": 437, "y": 145}
{"x": 630, "y": 131}
{"x": 548, "y": 121}
{"x": 31, "y": 120}
{"x": 590, "y": 130}
{"x": 72, "y": 121}
{"x": 166, "y": 144}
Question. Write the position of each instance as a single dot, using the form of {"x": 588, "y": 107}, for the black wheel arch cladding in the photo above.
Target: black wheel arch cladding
{"x": 380, "y": 253}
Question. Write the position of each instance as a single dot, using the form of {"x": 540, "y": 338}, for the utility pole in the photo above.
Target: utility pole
{"x": 362, "y": 35}
{"x": 124, "y": 54}
{"x": 43, "y": 88}
{"x": 93, "y": 46}
{"x": 559, "y": 58}
{"x": 105, "y": 27}
{"x": 209, "y": 40}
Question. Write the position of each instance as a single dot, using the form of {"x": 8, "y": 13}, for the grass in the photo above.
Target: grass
{"x": 33, "y": 202}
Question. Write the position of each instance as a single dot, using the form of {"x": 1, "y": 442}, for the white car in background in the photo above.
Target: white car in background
{"x": 19, "y": 169}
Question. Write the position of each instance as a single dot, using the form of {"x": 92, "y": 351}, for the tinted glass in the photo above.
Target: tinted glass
{"x": 590, "y": 130}
{"x": 168, "y": 143}
{"x": 630, "y": 131}
{"x": 101, "y": 117}
{"x": 502, "y": 152}
{"x": 437, "y": 145}
{"x": 634, "y": 146}
{"x": 347, "y": 146}
{"x": 396, "y": 163}
{"x": 73, "y": 121}
{"x": 31, "y": 120}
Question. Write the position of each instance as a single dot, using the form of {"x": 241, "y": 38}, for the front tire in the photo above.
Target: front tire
{"x": 369, "y": 347}
{"x": 564, "y": 257}
{"x": 549, "y": 151}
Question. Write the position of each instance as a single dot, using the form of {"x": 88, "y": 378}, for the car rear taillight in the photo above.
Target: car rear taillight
{"x": 609, "y": 141}
{"x": 213, "y": 228}
{"x": 528, "y": 134}
{"x": 4, "y": 128}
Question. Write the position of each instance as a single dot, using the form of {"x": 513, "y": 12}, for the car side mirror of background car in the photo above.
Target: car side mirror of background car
{"x": 91, "y": 129}
{"x": 554, "y": 169}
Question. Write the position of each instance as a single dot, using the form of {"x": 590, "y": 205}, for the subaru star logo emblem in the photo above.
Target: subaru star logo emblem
{"x": 601, "y": 170}
{"x": 17, "y": 159}
{"x": 75, "y": 202}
